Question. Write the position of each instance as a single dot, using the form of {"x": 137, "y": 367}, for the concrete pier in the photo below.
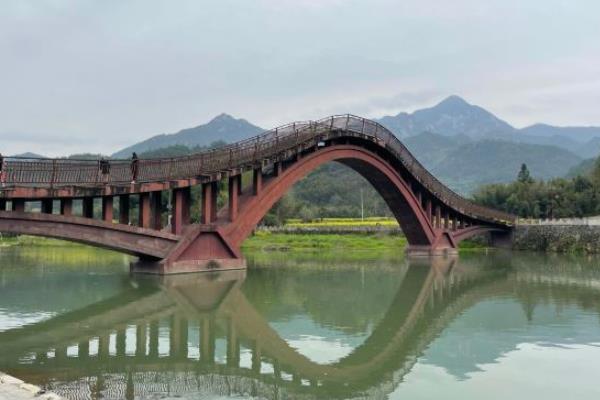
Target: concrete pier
{"x": 12, "y": 388}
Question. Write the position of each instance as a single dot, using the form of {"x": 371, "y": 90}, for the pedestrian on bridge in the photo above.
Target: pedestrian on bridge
{"x": 2, "y": 170}
{"x": 134, "y": 167}
{"x": 104, "y": 169}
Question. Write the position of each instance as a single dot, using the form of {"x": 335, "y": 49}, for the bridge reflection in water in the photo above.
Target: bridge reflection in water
{"x": 200, "y": 334}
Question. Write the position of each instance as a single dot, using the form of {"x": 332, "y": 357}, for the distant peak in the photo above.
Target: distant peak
{"x": 453, "y": 101}
{"x": 222, "y": 118}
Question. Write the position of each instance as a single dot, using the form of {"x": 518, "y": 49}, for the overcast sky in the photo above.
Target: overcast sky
{"x": 99, "y": 75}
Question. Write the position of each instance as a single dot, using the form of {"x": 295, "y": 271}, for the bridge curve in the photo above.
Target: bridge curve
{"x": 433, "y": 217}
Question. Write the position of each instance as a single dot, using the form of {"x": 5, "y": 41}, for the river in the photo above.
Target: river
{"x": 495, "y": 326}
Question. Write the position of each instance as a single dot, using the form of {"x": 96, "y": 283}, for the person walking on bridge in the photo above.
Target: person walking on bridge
{"x": 134, "y": 167}
{"x": 105, "y": 169}
{"x": 2, "y": 170}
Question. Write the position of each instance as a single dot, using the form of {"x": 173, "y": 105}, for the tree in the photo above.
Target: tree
{"x": 524, "y": 175}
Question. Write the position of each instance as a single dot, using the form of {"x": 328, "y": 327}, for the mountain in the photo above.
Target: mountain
{"x": 464, "y": 163}
{"x": 431, "y": 148}
{"x": 580, "y": 134}
{"x": 456, "y": 117}
{"x": 221, "y": 128}
{"x": 493, "y": 161}
{"x": 452, "y": 116}
{"x": 28, "y": 155}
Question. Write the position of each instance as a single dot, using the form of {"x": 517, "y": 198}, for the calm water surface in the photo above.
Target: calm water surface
{"x": 481, "y": 326}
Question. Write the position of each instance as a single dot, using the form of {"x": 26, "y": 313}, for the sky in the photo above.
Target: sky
{"x": 96, "y": 76}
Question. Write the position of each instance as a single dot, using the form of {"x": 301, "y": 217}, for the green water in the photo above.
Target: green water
{"x": 492, "y": 326}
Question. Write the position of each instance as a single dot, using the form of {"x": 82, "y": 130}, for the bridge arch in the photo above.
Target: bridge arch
{"x": 383, "y": 177}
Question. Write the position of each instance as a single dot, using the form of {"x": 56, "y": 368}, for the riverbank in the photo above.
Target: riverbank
{"x": 583, "y": 239}
{"x": 12, "y": 388}
{"x": 294, "y": 241}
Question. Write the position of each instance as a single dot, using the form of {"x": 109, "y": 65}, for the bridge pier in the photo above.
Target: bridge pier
{"x": 107, "y": 209}
{"x": 88, "y": 207}
{"x": 234, "y": 191}
{"x": 256, "y": 181}
{"x": 66, "y": 207}
{"x": 180, "y": 214}
{"x": 18, "y": 205}
{"x": 47, "y": 205}
{"x": 124, "y": 209}
{"x": 210, "y": 191}
{"x": 144, "y": 210}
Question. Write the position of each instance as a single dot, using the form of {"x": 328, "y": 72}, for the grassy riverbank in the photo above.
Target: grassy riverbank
{"x": 24, "y": 240}
{"x": 298, "y": 242}
{"x": 267, "y": 241}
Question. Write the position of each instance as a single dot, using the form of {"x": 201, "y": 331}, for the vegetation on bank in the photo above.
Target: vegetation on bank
{"x": 296, "y": 242}
{"x": 25, "y": 240}
{"x": 387, "y": 222}
{"x": 557, "y": 198}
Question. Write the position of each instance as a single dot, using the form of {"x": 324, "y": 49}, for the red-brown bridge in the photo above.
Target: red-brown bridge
{"x": 433, "y": 217}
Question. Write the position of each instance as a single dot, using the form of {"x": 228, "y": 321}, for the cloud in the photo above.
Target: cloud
{"x": 105, "y": 74}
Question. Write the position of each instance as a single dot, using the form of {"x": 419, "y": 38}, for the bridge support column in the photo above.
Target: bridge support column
{"x": 156, "y": 210}
{"x": 47, "y": 205}
{"x": 209, "y": 202}
{"x": 180, "y": 201}
{"x": 66, "y": 207}
{"x": 144, "y": 210}
{"x": 256, "y": 181}
{"x": 438, "y": 216}
{"x": 124, "y": 209}
{"x": 18, "y": 205}
{"x": 107, "y": 209}
{"x": 277, "y": 168}
{"x": 428, "y": 210}
{"x": 234, "y": 186}
{"x": 88, "y": 207}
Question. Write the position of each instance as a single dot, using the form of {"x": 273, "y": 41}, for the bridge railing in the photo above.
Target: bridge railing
{"x": 57, "y": 172}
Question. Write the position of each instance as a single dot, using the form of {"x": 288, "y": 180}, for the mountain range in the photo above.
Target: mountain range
{"x": 462, "y": 144}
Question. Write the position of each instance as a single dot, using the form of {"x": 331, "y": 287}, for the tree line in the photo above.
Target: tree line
{"x": 554, "y": 198}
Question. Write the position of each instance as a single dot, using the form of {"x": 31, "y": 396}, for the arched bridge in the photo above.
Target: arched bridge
{"x": 433, "y": 217}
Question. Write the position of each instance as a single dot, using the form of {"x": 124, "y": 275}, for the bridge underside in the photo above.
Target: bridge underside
{"x": 432, "y": 224}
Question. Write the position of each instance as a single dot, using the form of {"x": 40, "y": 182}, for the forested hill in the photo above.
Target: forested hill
{"x": 221, "y": 128}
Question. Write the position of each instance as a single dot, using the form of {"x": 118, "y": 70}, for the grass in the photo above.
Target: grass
{"x": 267, "y": 241}
{"x": 25, "y": 240}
